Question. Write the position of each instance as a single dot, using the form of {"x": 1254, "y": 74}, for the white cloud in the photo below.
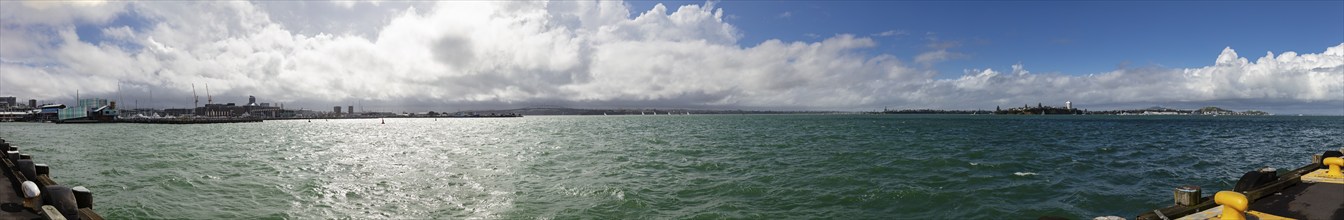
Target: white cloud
{"x": 598, "y": 53}
{"x": 786, "y": 14}
{"x": 892, "y": 33}
{"x": 935, "y": 56}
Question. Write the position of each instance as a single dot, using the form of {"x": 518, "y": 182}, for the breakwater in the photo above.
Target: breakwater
{"x": 34, "y": 193}
{"x": 188, "y": 120}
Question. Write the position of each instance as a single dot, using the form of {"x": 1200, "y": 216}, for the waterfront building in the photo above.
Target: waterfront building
{"x": 93, "y": 108}
{"x": 350, "y": 110}
{"x": 336, "y": 109}
{"x": 32, "y": 103}
{"x": 8, "y": 102}
{"x": 178, "y": 111}
{"x": 1068, "y": 105}
{"x": 251, "y": 100}
{"x": 225, "y": 110}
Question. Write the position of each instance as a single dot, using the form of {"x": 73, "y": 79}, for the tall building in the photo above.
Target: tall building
{"x": 350, "y": 110}
{"x": 32, "y": 103}
{"x": 8, "y": 101}
{"x": 1068, "y": 105}
{"x": 336, "y": 109}
{"x": 251, "y": 100}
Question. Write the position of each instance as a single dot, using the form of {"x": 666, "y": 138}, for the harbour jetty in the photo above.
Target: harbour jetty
{"x": 1313, "y": 191}
{"x": 32, "y": 194}
{"x": 200, "y": 120}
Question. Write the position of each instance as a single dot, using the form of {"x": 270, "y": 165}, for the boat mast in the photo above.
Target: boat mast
{"x": 197, "y": 103}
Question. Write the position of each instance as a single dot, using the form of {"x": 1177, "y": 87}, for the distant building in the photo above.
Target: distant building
{"x": 336, "y": 109}
{"x": 8, "y": 101}
{"x": 32, "y": 103}
{"x": 251, "y": 100}
{"x": 1068, "y": 105}
{"x": 178, "y": 112}
{"x": 224, "y": 110}
{"x": 265, "y": 104}
{"x": 89, "y": 107}
{"x": 350, "y": 109}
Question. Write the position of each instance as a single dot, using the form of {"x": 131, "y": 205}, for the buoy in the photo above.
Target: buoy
{"x": 31, "y": 194}
{"x": 384, "y": 121}
{"x": 1234, "y": 205}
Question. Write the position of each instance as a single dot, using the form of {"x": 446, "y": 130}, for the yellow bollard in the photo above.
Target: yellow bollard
{"x": 1234, "y": 205}
{"x": 1334, "y": 163}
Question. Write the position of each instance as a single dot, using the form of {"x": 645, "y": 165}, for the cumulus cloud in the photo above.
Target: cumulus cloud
{"x": 891, "y": 33}
{"x": 422, "y": 56}
{"x": 932, "y": 57}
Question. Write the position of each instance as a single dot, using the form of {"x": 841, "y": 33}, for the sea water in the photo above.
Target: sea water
{"x": 641, "y": 167}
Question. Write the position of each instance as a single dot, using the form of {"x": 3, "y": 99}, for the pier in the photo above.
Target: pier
{"x": 1309, "y": 192}
{"x": 32, "y": 194}
{"x": 188, "y": 120}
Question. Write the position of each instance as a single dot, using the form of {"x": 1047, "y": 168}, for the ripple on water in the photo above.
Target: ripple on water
{"x": 696, "y": 167}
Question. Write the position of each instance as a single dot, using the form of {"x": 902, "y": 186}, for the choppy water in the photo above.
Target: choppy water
{"x": 636, "y": 167}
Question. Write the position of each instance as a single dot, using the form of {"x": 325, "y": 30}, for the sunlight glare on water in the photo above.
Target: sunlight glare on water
{"x": 700, "y": 166}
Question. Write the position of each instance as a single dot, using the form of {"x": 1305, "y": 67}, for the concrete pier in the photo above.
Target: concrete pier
{"x": 41, "y": 197}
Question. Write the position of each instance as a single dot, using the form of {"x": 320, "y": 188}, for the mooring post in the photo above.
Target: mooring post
{"x": 1187, "y": 195}
{"x": 42, "y": 169}
{"x": 83, "y": 198}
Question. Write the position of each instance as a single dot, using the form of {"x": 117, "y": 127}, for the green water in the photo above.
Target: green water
{"x": 640, "y": 167}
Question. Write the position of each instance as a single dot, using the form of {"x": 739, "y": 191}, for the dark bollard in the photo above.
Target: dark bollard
{"x": 25, "y": 156}
{"x": 27, "y": 168}
{"x": 42, "y": 169}
{"x": 63, "y": 198}
{"x": 13, "y": 155}
{"x": 83, "y": 197}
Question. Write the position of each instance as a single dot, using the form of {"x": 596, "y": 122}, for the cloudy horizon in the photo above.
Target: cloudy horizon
{"x": 448, "y": 56}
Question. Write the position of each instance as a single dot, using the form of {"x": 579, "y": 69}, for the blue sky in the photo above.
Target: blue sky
{"x": 1082, "y": 37}
{"x": 768, "y": 55}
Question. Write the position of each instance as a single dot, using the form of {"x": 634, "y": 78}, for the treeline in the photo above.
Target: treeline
{"x": 933, "y": 111}
{"x": 1038, "y": 110}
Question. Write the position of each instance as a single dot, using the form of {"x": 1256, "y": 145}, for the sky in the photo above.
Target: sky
{"x": 1286, "y": 57}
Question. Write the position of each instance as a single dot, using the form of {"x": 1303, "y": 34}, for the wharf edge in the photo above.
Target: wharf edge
{"x": 32, "y": 194}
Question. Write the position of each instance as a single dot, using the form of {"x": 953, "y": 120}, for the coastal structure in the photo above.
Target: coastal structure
{"x": 1309, "y": 192}
{"x": 35, "y": 195}
{"x": 88, "y": 111}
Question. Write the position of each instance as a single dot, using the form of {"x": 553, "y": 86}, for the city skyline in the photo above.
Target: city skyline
{"x": 850, "y": 56}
